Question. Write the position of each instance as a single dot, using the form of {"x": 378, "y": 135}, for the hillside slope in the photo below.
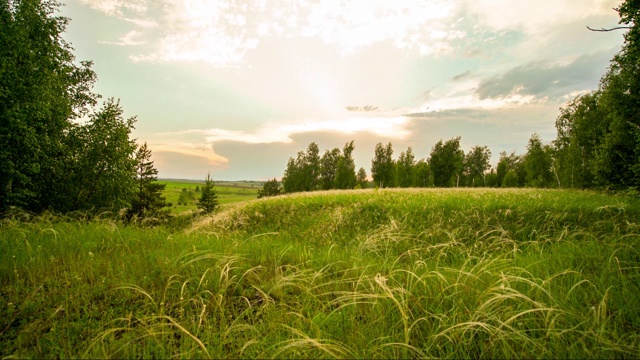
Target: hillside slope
{"x": 356, "y": 274}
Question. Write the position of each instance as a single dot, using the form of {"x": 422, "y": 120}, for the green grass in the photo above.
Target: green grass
{"x": 355, "y": 274}
{"x": 228, "y": 192}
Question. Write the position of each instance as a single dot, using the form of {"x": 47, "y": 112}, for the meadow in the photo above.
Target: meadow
{"x": 428, "y": 273}
{"x": 228, "y": 192}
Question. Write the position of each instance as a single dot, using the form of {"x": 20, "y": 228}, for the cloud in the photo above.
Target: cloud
{"x": 464, "y": 76}
{"x": 544, "y": 79}
{"x": 118, "y": 8}
{"x": 204, "y": 152}
{"x": 129, "y": 39}
{"x": 222, "y": 32}
{"x": 532, "y": 17}
{"x": 367, "y": 108}
{"x": 393, "y": 127}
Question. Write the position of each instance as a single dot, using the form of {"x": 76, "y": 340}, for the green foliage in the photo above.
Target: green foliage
{"x": 383, "y": 166}
{"x": 462, "y": 273}
{"x": 422, "y": 174}
{"x": 270, "y": 188}
{"x": 328, "y": 168}
{"x": 405, "y": 169}
{"x": 361, "y": 179}
{"x": 208, "y": 201}
{"x": 599, "y": 133}
{"x": 41, "y": 90}
{"x": 309, "y": 172}
{"x": 101, "y": 165}
{"x": 303, "y": 173}
{"x": 537, "y": 163}
{"x": 513, "y": 164}
{"x": 346, "y": 168}
{"x": 581, "y": 127}
{"x": 148, "y": 199}
{"x": 475, "y": 166}
{"x": 446, "y": 163}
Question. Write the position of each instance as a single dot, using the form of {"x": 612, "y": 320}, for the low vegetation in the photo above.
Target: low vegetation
{"x": 359, "y": 274}
{"x": 184, "y": 194}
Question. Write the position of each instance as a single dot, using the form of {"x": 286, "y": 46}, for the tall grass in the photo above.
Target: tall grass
{"x": 355, "y": 274}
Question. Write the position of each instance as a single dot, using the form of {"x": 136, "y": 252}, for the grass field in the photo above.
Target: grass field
{"x": 228, "y": 192}
{"x": 428, "y": 273}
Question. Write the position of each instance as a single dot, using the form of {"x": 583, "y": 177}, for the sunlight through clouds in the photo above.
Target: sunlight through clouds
{"x": 203, "y": 151}
{"x": 391, "y": 127}
{"x": 221, "y": 32}
{"x": 271, "y": 74}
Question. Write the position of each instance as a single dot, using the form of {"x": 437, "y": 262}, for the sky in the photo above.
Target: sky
{"x": 235, "y": 88}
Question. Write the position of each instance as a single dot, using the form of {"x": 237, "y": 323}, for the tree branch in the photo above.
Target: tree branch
{"x": 612, "y": 29}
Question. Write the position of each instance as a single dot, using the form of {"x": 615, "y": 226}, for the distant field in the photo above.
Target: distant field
{"x": 228, "y": 192}
{"x": 419, "y": 273}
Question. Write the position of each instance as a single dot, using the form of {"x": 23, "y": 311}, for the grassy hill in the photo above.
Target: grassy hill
{"x": 371, "y": 274}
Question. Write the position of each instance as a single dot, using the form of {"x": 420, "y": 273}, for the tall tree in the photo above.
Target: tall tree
{"x": 311, "y": 168}
{"x": 383, "y": 166}
{"x": 422, "y": 174}
{"x": 208, "y": 201}
{"x": 147, "y": 199}
{"x": 537, "y": 163}
{"x": 41, "y": 90}
{"x": 303, "y": 172}
{"x": 293, "y": 178}
{"x": 446, "y": 162}
{"x": 476, "y": 165}
{"x": 405, "y": 167}
{"x": 619, "y": 156}
{"x": 346, "y": 168}
{"x": 581, "y": 127}
{"x": 361, "y": 179}
{"x": 102, "y": 168}
{"x": 599, "y": 133}
{"x": 328, "y": 168}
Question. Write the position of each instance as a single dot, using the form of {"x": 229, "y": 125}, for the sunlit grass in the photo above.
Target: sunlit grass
{"x": 228, "y": 192}
{"x": 351, "y": 274}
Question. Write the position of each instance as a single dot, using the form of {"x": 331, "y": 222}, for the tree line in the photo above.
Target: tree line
{"x": 446, "y": 166}
{"x": 58, "y": 151}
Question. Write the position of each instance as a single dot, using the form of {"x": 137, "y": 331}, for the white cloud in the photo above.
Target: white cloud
{"x": 222, "y": 32}
{"x": 534, "y": 16}
{"x": 132, "y": 38}
{"x": 202, "y": 151}
{"x": 391, "y": 127}
{"x": 118, "y": 7}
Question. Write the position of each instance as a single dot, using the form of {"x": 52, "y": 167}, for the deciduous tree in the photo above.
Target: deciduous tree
{"x": 41, "y": 90}
{"x": 328, "y": 168}
{"x": 476, "y": 165}
{"x": 270, "y": 188}
{"x": 405, "y": 168}
{"x": 537, "y": 163}
{"x": 361, "y": 179}
{"x": 446, "y": 162}
{"x": 346, "y": 168}
{"x": 383, "y": 166}
{"x": 101, "y": 164}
